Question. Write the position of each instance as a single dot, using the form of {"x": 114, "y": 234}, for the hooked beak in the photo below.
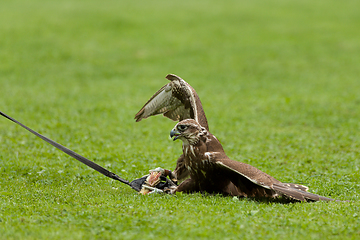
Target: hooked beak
{"x": 175, "y": 133}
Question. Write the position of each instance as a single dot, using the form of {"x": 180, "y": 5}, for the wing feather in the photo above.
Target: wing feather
{"x": 297, "y": 194}
{"x": 248, "y": 179}
{"x": 255, "y": 183}
{"x": 176, "y": 100}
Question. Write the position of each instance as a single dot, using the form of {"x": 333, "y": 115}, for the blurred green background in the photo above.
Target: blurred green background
{"x": 279, "y": 82}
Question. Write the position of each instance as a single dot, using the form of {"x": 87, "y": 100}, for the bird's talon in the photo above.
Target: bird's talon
{"x": 169, "y": 190}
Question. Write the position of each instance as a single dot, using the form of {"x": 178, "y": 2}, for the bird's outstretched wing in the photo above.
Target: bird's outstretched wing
{"x": 252, "y": 182}
{"x": 176, "y": 100}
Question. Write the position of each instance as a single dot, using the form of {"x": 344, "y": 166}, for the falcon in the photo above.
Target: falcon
{"x": 212, "y": 171}
{"x": 204, "y": 166}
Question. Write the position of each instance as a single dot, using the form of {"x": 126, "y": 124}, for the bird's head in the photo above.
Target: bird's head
{"x": 189, "y": 131}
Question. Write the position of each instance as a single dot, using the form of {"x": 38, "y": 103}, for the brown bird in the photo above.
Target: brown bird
{"x": 204, "y": 159}
{"x": 212, "y": 171}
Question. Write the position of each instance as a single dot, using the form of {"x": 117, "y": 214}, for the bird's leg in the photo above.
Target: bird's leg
{"x": 170, "y": 190}
{"x": 180, "y": 172}
{"x": 187, "y": 186}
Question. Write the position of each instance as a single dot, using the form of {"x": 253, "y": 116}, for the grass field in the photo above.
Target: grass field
{"x": 279, "y": 82}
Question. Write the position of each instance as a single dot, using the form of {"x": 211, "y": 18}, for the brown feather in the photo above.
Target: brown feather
{"x": 176, "y": 100}
{"x": 180, "y": 172}
{"x": 297, "y": 186}
{"x": 298, "y": 194}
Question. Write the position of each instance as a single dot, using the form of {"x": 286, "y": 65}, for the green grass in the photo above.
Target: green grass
{"x": 279, "y": 81}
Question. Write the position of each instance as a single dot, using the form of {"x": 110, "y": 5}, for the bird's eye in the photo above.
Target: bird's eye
{"x": 182, "y": 127}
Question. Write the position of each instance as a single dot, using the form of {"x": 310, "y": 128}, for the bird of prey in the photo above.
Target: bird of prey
{"x": 211, "y": 170}
{"x": 204, "y": 166}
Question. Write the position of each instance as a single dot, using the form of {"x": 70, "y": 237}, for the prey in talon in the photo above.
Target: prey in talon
{"x": 157, "y": 182}
{"x": 150, "y": 184}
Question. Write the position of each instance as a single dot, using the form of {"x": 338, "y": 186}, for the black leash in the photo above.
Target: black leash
{"x": 134, "y": 184}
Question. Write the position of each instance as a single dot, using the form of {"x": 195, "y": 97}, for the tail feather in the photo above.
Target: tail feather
{"x": 297, "y": 186}
{"x": 297, "y": 193}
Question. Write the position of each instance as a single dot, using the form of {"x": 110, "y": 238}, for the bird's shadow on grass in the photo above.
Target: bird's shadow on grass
{"x": 261, "y": 200}
{"x": 281, "y": 200}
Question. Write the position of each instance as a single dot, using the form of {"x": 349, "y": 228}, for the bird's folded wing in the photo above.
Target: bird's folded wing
{"x": 298, "y": 194}
{"x": 255, "y": 183}
{"x": 176, "y": 100}
{"x": 250, "y": 181}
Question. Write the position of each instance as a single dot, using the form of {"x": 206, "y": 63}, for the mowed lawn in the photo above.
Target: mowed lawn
{"x": 279, "y": 82}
